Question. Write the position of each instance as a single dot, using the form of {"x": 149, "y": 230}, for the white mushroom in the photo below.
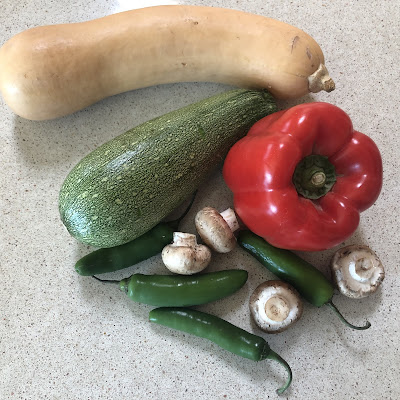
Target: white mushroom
{"x": 275, "y": 305}
{"x": 357, "y": 271}
{"x": 184, "y": 256}
{"x": 217, "y": 229}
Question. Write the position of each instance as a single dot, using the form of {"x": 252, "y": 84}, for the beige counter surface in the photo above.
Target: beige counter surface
{"x": 64, "y": 336}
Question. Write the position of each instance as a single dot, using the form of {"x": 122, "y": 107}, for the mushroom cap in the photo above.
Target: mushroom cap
{"x": 357, "y": 271}
{"x": 214, "y": 230}
{"x": 275, "y": 306}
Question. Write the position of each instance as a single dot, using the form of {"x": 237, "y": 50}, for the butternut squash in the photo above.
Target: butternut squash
{"x": 51, "y": 71}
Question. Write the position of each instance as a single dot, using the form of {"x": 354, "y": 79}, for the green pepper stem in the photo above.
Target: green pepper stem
{"x": 105, "y": 280}
{"x": 274, "y": 356}
{"x": 337, "y": 312}
{"x": 314, "y": 176}
{"x": 318, "y": 179}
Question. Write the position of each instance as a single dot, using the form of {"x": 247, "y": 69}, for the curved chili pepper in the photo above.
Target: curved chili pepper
{"x": 182, "y": 290}
{"x": 221, "y": 332}
{"x": 301, "y": 177}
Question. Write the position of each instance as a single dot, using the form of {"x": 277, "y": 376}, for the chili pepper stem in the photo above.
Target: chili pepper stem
{"x": 276, "y": 357}
{"x": 105, "y": 280}
{"x": 337, "y": 312}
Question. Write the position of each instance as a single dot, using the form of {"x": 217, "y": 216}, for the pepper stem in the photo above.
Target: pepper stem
{"x": 314, "y": 176}
{"x": 123, "y": 284}
{"x": 276, "y": 357}
{"x": 337, "y": 312}
{"x": 318, "y": 179}
{"x": 105, "y": 280}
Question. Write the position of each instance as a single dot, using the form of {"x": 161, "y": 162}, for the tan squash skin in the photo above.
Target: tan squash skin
{"x": 51, "y": 71}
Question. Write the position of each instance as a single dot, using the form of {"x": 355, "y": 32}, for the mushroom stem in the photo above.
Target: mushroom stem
{"x": 277, "y": 309}
{"x": 338, "y": 313}
{"x": 230, "y": 217}
{"x": 360, "y": 271}
{"x": 276, "y": 357}
{"x": 184, "y": 239}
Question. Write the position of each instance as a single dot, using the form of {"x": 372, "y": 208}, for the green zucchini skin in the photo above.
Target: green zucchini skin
{"x": 129, "y": 184}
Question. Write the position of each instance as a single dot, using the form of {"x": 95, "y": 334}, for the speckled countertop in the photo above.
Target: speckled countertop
{"x": 66, "y": 337}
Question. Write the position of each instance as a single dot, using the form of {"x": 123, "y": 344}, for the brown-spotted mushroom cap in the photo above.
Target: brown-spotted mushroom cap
{"x": 357, "y": 271}
{"x": 275, "y": 306}
{"x": 216, "y": 229}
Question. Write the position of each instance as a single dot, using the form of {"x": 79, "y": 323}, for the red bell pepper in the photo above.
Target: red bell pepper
{"x": 301, "y": 177}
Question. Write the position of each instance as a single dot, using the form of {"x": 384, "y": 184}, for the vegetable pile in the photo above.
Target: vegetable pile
{"x": 300, "y": 177}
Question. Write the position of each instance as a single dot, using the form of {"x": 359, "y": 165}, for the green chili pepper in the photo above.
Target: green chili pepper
{"x": 115, "y": 258}
{"x": 308, "y": 280}
{"x": 221, "y": 332}
{"x": 182, "y": 290}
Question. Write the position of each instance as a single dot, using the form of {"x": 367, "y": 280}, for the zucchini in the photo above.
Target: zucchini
{"x": 129, "y": 184}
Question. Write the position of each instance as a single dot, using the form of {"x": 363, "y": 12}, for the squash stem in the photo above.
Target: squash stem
{"x": 347, "y": 323}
